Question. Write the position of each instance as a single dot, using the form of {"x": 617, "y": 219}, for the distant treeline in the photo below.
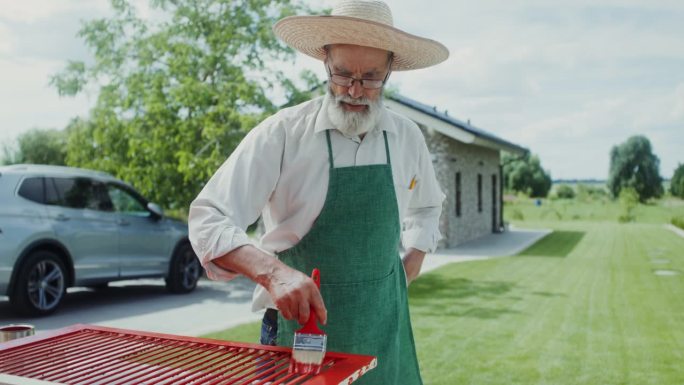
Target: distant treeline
{"x": 589, "y": 181}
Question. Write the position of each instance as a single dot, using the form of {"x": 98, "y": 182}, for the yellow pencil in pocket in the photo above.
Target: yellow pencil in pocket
{"x": 413, "y": 183}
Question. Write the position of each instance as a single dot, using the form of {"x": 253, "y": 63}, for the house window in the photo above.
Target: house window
{"x": 458, "y": 194}
{"x": 479, "y": 193}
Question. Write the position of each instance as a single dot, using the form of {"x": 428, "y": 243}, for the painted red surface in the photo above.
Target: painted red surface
{"x": 86, "y": 354}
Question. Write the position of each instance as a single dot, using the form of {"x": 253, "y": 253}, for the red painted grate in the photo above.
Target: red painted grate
{"x": 93, "y": 355}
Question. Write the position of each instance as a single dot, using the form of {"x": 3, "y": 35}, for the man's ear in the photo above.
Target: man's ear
{"x": 326, "y": 53}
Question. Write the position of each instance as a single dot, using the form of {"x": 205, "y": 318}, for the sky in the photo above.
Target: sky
{"x": 567, "y": 79}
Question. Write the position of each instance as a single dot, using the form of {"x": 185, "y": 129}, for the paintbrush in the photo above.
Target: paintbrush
{"x": 308, "y": 349}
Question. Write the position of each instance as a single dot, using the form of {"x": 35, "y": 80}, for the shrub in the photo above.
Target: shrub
{"x": 517, "y": 215}
{"x": 587, "y": 193}
{"x": 677, "y": 182}
{"x": 565, "y": 192}
{"x": 678, "y": 221}
{"x": 629, "y": 199}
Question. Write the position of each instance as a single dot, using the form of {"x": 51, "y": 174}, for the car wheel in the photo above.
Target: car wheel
{"x": 184, "y": 272}
{"x": 40, "y": 285}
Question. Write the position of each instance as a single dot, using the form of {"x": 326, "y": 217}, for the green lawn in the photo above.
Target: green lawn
{"x": 582, "y": 306}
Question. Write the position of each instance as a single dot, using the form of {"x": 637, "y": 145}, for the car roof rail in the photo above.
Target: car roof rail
{"x": 45, "y": 168}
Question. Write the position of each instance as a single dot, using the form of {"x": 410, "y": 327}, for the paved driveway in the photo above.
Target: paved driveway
{"x": 146, "y": 306}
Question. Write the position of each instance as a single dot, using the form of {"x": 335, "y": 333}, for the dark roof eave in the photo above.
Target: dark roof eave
{"x": 483, "y": 138}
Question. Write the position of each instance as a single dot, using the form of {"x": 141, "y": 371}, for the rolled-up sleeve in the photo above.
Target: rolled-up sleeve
{"x": 235, "y": 196}
{"x": 420, "y": 227}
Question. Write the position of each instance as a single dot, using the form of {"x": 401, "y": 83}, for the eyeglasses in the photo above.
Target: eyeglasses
{"x": 348, "y": 81}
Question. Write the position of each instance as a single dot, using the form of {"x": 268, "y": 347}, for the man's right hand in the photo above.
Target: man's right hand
{"x": 295, "y": 294}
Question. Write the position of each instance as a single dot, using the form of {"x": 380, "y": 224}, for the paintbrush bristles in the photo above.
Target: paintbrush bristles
{"x": 308, "y": 357}
{"x": 308, "y": 352}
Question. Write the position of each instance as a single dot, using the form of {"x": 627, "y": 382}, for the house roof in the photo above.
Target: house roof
{"x": 446, "y": 125}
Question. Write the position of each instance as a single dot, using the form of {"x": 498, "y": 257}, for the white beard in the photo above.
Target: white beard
{"x": 351, "y": 123}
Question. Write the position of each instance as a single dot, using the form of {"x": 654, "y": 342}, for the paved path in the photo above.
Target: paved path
{"x": 491, "y": 246}
{"x": 214, "y": 306}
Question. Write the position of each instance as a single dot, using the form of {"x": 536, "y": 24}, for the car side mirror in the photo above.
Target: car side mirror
{"x": 155, "y": 209}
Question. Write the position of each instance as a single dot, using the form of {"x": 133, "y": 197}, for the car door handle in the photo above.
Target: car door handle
{"x": 123, "y": 222}
{"x": 62, "y": 217}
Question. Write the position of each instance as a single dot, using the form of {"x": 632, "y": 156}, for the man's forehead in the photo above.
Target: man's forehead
{"x": 344, "y": 55}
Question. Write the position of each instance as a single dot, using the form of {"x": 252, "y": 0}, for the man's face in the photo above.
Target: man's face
{"x": 360, "y": 63}
{"x": 353, "y": 109}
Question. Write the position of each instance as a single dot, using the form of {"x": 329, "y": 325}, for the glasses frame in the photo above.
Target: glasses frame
{"x": 348, "y": 81}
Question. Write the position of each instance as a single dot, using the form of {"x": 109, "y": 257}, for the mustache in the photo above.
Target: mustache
{"x": 348, "y": 99}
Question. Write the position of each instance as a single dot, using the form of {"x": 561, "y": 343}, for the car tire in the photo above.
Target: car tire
{"x": 40, "y": 285}
{"x": 185, "y": 270}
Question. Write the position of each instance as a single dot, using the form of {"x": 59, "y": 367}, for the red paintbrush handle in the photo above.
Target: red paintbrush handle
{"x": 311, "y": 326}
{"x": 316, "y": 276}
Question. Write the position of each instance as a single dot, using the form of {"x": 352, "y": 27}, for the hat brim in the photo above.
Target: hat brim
{"x": 309, "y": 34}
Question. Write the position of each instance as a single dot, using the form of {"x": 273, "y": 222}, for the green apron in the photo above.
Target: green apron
{"x": 355, "y": 244}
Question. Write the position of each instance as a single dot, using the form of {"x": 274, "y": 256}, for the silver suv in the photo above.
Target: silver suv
{"x": 63, "y": 226}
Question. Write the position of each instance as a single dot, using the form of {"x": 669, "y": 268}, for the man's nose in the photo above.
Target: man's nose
{"x": 356, "y": 90}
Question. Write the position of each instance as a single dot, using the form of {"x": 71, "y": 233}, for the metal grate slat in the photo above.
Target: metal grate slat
{"x": 137, "y": 367}
{"x": 92, "y": 355}
{"x": 78, "y": 357}
{"x": 56, "y": 355}
{"x": 18, "y": 357}
{"x": 111, "y": 362}
{"x": 172, "y": 369}
{"x": 220, "y": 375}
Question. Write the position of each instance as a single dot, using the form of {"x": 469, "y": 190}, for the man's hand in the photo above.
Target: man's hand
{"x": 295, "y": 294}
{"x": 413, "y": 260}
{"x": 292, "y": 292}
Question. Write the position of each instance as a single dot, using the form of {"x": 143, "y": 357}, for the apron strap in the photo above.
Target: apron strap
{"x": 330, "y": 155}
{"x": 384, "y": 133}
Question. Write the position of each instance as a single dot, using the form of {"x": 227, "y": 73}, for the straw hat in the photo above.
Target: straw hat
{"x": 360, "y": 22}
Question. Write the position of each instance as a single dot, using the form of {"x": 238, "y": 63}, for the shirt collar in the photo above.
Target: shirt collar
{"x": 323, "y": 123}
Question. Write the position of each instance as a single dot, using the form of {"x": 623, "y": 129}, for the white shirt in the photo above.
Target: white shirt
{"x": 280, "y": 170}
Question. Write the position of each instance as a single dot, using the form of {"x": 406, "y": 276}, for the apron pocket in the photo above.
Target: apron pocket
{"x": 360, "y": 313}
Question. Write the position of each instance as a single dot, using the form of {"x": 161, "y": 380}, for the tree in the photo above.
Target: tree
{"x": 525, "y": 174}
{"x": 175, "y": 96}
{"x": 677, "y": 182}
{"x": 633, "y": 164}
{"x": 38, "y": 146}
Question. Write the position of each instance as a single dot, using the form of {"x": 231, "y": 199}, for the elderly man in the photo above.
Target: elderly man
{"x": 339, "y": 181}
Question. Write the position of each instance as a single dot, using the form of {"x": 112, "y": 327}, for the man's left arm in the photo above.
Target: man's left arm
{"x": 413, "y": 260}
{"x": 419, "y": 236}
{"x": 420, "y": 226}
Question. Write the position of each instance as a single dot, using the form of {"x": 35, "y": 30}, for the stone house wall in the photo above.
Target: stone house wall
{"x": 451, "y": 157}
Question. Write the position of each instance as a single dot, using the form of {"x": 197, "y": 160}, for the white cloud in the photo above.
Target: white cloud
{"x": 568, "y": 78}
{"x": 563, "y": 78}
{"x": 678, "y": 105}
{"x": 27, "y": 100}
{"x": 5, "y": 40}
{"x": 29, "y": 11}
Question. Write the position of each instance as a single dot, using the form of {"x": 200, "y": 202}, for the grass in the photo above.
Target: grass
{"x": 582, "y": 306}
{"x": 563, "y": 210}
{"x": 248, "y": 332}
{"x": 597, "y": 316}
{"x": 556, "y": 244}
